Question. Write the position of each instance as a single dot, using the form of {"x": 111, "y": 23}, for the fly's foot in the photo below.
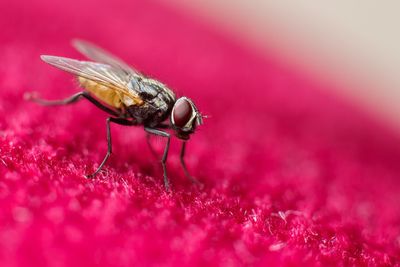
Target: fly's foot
{"x": 193, "y": 179}
{"x": 30, "y": 96}
{"x": 90, "y": 176}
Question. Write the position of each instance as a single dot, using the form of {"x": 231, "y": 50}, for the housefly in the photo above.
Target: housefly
{"x": 129, "y": 97}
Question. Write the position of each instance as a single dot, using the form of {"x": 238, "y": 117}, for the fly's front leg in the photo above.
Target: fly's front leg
{"x": 70, "y": 100}
{"x": 165, "y": 155}
{"x": 182, "y": 158}
{"x": 150, "y": 146}
{"x": 154, "y": 152}
{"x": 109, "y": 143}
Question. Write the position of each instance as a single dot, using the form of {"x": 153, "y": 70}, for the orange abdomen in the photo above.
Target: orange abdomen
{"x": 103, "y": 93}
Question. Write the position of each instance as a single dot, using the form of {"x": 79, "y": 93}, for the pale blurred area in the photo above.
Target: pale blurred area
{"x": 353, "y": 45}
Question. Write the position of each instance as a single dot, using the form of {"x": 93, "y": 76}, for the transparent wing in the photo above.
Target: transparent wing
{"x": 107, "y": 75}
{"x": 98, "y": 54}
{"x": 98, "y": 72}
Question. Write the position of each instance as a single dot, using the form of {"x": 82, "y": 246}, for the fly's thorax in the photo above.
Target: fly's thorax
{"x": 158, "y": 102}
{"x": 150, "y": 88}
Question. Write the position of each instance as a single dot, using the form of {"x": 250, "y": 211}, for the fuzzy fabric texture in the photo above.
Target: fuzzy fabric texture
{"x": 291, "y": 176}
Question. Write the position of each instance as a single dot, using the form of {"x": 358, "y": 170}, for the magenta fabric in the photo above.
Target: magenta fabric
{"x": 292, "y": 176}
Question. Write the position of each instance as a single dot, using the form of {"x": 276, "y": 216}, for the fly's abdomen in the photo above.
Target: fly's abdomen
{"x": 103, "y": 93}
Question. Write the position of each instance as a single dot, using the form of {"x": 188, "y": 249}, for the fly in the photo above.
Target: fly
{"x": 129, "y": 97}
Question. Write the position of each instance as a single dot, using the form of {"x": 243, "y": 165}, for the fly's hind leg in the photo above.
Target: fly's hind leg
{"x": 109, "y": 143}
{"x": 185, "y": 170}
{"x": 70, "y": 100}
{"x": 165, "y": 155}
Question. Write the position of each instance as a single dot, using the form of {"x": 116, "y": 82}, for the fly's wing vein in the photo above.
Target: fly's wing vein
{"x": 98, "y": 54}
{"x": 104, "y": 74}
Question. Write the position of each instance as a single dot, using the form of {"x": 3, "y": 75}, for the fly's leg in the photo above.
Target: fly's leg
{"x": 165, "y": 155}
{"x": 182, "y": 158}
{"x": 150, "y": 146}
{"x": 109, "y": 143}
{"x": 159, "y": 126}
{"x": 70, "y": 100}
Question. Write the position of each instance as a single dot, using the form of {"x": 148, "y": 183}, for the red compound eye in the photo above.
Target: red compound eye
{"x": 182, "y": 112}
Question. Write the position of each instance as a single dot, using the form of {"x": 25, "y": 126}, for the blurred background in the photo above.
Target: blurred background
{"x": 354, "y": 46}
{"x": 299, "y": 159}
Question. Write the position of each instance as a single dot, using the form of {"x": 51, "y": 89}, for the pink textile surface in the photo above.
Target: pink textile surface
{"x": 292, "y": 176}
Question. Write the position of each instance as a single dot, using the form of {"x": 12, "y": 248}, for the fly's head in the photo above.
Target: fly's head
{"x": 185, "y": 118}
